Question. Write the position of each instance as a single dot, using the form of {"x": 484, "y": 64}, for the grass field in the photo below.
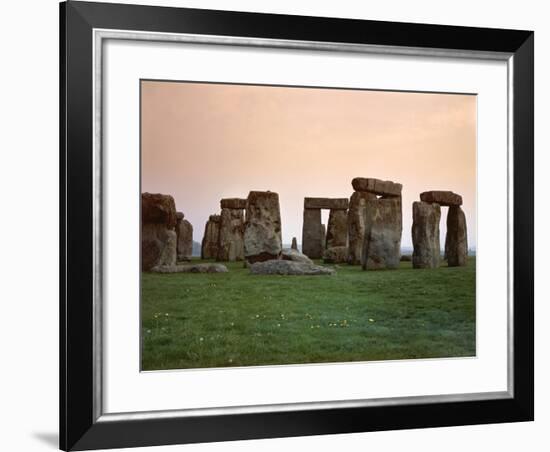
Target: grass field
{"x": 238, "y": 319}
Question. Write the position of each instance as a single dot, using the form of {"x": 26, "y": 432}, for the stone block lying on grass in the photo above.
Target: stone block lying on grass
{"x": 284, "y": 267}
{"x": 190, "y": 268}
{"x": 295, "y": 255}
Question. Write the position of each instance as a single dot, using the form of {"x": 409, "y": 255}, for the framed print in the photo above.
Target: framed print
{"x": 283, "y": 225}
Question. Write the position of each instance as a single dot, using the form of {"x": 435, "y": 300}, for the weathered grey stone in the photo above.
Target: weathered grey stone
{"x": 425, "y": 235}
{"x": 179, "y": 218}
{"x": 323, "y": 236}
{"x": 443, "y": 198}
{"x": 158, "y": 246}
{"x": 384, "y": 225}
{"x": 326, "y": 203}
{"x": 336, "y": 255}
{"x": 357, "y": 214}
{"x": 158, "y": 209}
{"x": 233, "y": 203}
{"x": 184, "y": 231}
{"x": 284, "y": 267}
{"x": 262, "y": 234}
{"x": 337, "y": 229}
{"x": 294, "y": 255}
{"x": 456, "y": 241}
{"x": 231, "y": 235}
{"x": 209, "y": 247}
{"x": 158, "y": 237}
{"x": 294, "y": 245}
{"x": 313, "y": 242}
{"x": 384, "y": 188}
{"x": 190, "y": 268}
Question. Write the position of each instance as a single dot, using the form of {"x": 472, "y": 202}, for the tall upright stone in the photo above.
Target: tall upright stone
{"x": 185, "y": 241}
{"x": 383, "y": 229}
{"x": 383, "y": 223}
{"x": 456, "y": 241}
{"x": 209, "y": 247}
{"x": 314, "y": 237}
{"x": 158, "y": 235}
{"x": 425, "y": 235}
{"x": 294, "y": 245}
{"x": 231, "y": 235}
{"x": 337, "y": 229}
{"x": 356, "y": 225}
{"x": 313, "y": 242}
{"x": 262, "y": 233}
{"x": 179, "y": 217}
{"x": 184, "y": 234}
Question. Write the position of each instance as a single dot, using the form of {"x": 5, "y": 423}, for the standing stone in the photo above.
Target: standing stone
{"x": 456, "y": 241}
{"x": 158, "y": 235}
{"x": 425, "y": 235}
{"x": 323, "y": 236}
{"x": 383, "y": 228}
{"x": 313, "y": 242}
{"x": 262, "y": 234}
{"x": 209, "y": 247}
{"x": 231, "y": 235}
{"x": 179, "y": 218}
{"x": 185, "y": 241}
{"x": 356, "y": 225}
{"x": 184, "y": 238}
{"x": 337, "y": 229}
{"x": 294, "y": 245}
{"x": 336, "y": 255}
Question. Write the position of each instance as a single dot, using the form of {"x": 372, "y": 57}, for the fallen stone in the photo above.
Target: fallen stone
{"x": 294, "y": 255}
{"x": 262, "y": 234}
{"x": 384, "y": 188}
{"x": 356, "y": 225}
{"x": 456, "y": 241}
{"x": 284, "y": 267}
{"x": 337, "y": 229}
{"x": 326, "y": 203}
{"x": 313, "y": 242}
{"x": 209, "y": 246}
{"x": 336, "y": 255}
{"x": 233, "y": 203}
{"x": 384, "y": 225}
{"x": 425, "y": 235}
{"x": 443, "y": 198}
{"x": 294, "y": 245}
{"x": 231, "y": 235}
{"x": 190, "y": 268}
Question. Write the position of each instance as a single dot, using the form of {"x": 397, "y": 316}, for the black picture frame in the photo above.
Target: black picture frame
{"x": 80, "y": 428}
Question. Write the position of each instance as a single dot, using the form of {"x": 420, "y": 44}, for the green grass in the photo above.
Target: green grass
{"x": 238, "y": 319}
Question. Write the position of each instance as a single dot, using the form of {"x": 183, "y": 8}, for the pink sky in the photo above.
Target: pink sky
{"x": 204, "y": 142}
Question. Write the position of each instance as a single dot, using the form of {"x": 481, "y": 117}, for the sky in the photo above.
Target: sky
{"x": 202, "y": 142}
